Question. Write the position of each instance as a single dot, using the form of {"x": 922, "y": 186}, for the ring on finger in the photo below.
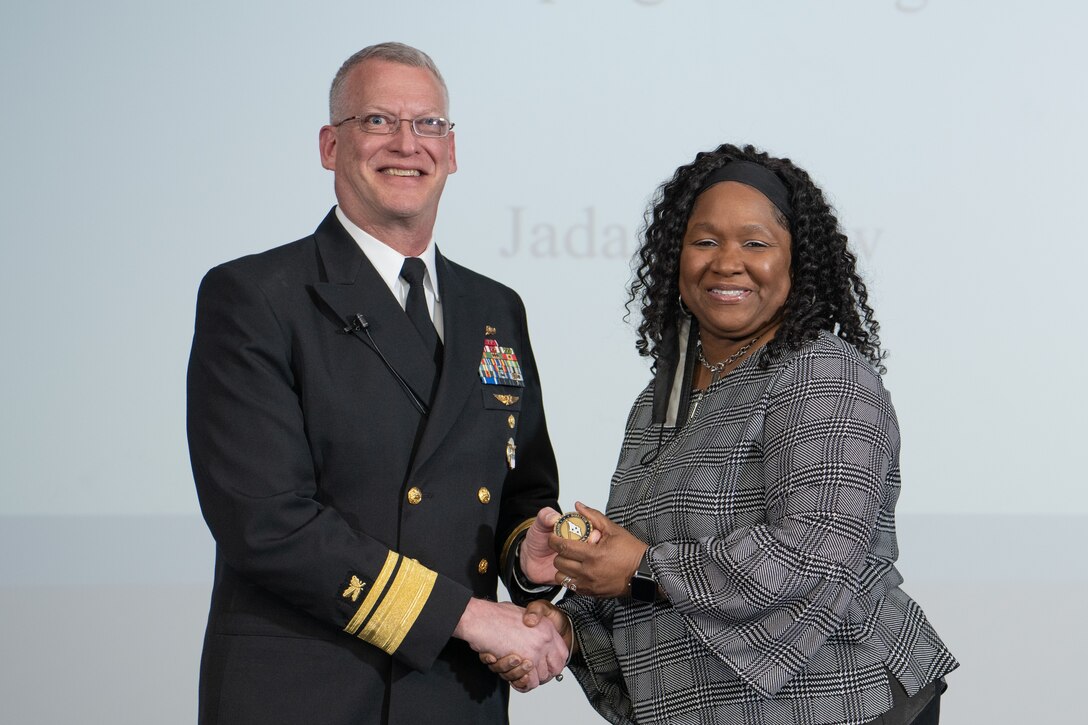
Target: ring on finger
{"x": 572, "y": 585}
{"x": 566, "y": 582}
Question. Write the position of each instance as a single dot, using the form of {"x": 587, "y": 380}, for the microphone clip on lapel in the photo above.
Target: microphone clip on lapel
{"x": 358, "y": 324}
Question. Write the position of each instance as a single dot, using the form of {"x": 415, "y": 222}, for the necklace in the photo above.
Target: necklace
{"x": 717, "y": 368}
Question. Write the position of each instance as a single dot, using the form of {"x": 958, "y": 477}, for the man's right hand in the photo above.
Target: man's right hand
{"x": 539, "y": 613}
{"x": 536, "y": 653}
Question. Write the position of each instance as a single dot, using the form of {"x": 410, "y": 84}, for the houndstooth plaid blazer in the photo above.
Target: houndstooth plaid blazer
{"x": 771, "y": 522}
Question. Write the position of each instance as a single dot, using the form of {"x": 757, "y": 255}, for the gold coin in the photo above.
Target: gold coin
{"x": 573, "y": 526}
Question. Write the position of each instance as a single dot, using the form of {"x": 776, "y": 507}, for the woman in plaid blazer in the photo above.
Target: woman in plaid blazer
{"x": 745, "y": 570}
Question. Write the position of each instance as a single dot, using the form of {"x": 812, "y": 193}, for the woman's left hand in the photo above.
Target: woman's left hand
{"x": 601, "y": 569}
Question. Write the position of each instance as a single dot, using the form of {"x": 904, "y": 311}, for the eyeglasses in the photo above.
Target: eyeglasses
{"x": 425, "y": 126}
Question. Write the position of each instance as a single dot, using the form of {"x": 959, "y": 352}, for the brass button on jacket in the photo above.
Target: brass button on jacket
{"x": 482, "y": 567}
{"x": 414, "y": 495}
{"x": 484, "y": 495}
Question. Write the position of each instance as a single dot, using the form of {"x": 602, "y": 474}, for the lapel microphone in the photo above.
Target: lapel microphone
{"x": 359, "y": 324}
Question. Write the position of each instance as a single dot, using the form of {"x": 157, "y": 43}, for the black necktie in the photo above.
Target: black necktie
{"x": 412, "y": 272}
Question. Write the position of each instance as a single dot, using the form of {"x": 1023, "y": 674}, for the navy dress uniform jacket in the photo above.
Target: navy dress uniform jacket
{"x": 350, "y": 530}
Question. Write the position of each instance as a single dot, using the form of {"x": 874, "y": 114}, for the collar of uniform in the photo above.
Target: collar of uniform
{"x": 388, "y": 261}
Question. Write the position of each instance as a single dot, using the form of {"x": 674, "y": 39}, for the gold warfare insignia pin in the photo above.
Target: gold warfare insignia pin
{"x": 489, "y": 330}
{"x": 355, "y": 588}
{"x": 573, "y": 527}
{"x": 506, "y": 399}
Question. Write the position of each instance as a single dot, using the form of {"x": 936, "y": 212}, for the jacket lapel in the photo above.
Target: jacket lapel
{"x": 352, "y": 287}
{"x": 463, "y": 328}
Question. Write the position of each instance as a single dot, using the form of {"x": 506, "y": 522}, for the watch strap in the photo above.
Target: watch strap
{"x": 643, "y": 583}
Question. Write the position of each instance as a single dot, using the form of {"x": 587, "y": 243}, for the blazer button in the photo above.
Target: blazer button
{"x": 414, "y": 495}
{"x": 482, "y": 566}
{"x": 484, "y": 495}
{"x": 510, "y": 421}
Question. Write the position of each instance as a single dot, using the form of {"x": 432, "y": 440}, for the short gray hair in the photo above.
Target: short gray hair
{"x": 392, "y": 52}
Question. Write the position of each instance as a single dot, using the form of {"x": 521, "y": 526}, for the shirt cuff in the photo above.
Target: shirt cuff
{"x": 519, "y": 576}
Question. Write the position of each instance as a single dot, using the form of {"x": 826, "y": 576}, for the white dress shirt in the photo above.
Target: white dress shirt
{"x": 388, "y": 262}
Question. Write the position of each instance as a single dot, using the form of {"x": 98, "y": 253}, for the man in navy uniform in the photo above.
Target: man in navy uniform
{"x": 366, "y": 468}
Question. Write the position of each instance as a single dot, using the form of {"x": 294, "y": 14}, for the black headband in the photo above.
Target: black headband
{"x": 758, "y": 177}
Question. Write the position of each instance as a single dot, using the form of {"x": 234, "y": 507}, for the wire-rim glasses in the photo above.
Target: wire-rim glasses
{"x": 423, "y": 126}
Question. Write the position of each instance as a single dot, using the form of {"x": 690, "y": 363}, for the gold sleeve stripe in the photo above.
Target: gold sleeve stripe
{"x": 523, "y": 526}
{"x": 397, "y": 612}
{"x": 374, "y": 594}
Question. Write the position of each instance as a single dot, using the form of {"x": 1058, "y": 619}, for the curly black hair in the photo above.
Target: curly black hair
{"x": 826, "y": 292}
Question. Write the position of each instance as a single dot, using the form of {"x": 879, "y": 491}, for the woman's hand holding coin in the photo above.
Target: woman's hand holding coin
{"x": 594, "y": 556}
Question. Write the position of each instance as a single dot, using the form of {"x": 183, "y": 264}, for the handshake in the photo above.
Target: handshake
{"x": 528, "y": 647}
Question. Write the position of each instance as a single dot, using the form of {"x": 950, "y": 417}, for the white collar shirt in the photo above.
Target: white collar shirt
{"x": 388, "y": 262}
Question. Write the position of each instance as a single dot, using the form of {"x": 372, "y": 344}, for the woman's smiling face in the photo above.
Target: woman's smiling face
{"x": 734, "y": 267}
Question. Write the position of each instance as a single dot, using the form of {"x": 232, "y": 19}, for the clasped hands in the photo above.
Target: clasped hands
{"x": 535, "y": 653}
{"x": 602, "y": 566}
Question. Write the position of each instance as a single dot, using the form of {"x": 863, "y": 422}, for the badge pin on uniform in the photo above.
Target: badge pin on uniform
{"x": 511, "y": 454}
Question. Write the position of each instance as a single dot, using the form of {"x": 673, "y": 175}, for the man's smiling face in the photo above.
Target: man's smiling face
{"x": 395, "y": 180}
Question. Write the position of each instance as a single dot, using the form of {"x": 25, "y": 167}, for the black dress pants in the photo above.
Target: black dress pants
{"x": 922, "y": 709}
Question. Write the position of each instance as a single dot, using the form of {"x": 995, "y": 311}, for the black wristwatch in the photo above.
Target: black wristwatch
{"x": 643, "y": 584}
